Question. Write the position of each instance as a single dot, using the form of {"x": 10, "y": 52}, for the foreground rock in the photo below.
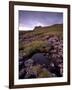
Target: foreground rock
{"x": 39, "y": 58}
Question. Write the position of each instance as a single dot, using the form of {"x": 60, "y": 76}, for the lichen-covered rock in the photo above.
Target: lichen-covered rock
{"x": 32, "y": 71}
{"x": 28, "y": 63}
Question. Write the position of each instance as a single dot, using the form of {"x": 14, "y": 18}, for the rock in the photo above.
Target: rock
{"x": 31, "y": 72}
{"x": 37, "y": 69}
{"x": 37, "y": 27}
{"x": 28, "y": 63}
{"x": 53, "y": 75}
{"x": 22, "y": 73}
{"x": 52, "y": 64}
{"x": 55, "y": 70}
{"x": 40, "y": 58}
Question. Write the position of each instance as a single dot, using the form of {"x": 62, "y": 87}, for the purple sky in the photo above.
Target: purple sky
{"x": 29, "y": 19}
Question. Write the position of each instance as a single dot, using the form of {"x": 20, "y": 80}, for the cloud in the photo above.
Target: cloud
{"x": 30, "y": 19}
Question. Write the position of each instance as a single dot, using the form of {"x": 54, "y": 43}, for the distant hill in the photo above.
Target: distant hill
{"x": 54, "y": 29}
{"x": 46, "y": 27}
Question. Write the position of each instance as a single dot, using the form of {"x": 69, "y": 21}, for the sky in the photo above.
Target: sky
{"x": 29, "y": 19}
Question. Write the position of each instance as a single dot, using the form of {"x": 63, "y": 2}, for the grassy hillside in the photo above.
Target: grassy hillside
{"x": 43, "y": 46}
{"x": 55, "y": 29}
{"x": 39, "y": 36}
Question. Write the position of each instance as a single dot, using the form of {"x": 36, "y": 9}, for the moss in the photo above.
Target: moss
{"x": 41, "y": 72}
{"x": 45, "y": 73}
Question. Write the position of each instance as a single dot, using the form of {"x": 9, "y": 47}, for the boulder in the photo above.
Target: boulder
{"x": 40, "y": 58}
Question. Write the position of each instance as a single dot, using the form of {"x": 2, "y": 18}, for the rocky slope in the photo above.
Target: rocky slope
{"x": 41, "y": 52}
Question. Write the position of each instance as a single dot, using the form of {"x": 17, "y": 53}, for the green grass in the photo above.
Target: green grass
{"x": 36, "y": 46}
